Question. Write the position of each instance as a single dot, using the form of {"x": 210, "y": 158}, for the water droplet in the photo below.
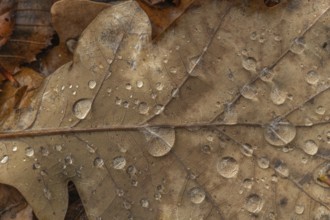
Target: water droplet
{"x": 247, "y": 150}
{"x": 192, "y": 64}
{"x": 15, "y": 148}
{"x": 144, "y": 203}
{"x": 139, "y": 84}
{"x": 29, "y": 151}
{"x": 157, "y": 196}
{"x": 253, "y": 36}
{"x": 119, "y": 162}
{"x": 227, "y": 167}
{"x": 159, "y": 86}
{"x": 125, "y": 104}
{"x": 98, "y": 162}
{"x": 81, "y": 108}
{"x": 92, "y": 84}
{"x": 249, "y": 92}
{"x": 277, "y": 96}
{"x": 254, "y": 203}
{"x": 120, "y": 192}
{"x": 206, "y": 149}
{"x": 4, "y": 159}
{"x": 281, "y": 168}
{"x": 47, "y": 193}
{"x": 44, "y": 151}
{"x": 74, "y": 93}
{"x": 263, "y": 162}
{"x": 266, "y": 75}
{"x": 128, "y": 86}
{"x": 280, "y": 133}
{"x": 160, "y": 141}
{"x": 127, "y": 205}
{"x": 197, "y": 195}
{"x": 118, "y": 101}
{"x": 312, "y": 77}
{"x": 298, "y": 46}
{"x": 299, "y": 209}
{"x": 36, "y": 166}
{"x": 158, "y": 109}
{"x": 68, "y": 160}
{"x": 248, "y": 183}
{"x": 175, "y": 92}
{"x": 249, "y": 64}
{"x": 143, "y": 108}
{"x": 310, "y": 147}
{"x": 230, "y": 115}
{"x": 320, "y": 110}
{"x": 58, "y": 147}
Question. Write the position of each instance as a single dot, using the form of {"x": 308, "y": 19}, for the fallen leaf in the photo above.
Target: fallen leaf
{"x": 225, "y": 117}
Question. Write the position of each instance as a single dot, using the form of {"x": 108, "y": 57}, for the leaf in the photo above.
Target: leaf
{"x": 225, "y": 117}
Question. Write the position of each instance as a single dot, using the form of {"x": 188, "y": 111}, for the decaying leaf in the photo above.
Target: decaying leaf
{"x": 225, "y": 117}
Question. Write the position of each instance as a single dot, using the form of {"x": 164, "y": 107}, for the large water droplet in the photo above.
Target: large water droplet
{"x": 281, "y": 168}
{"x": 29, "y": 151}
{"x": 310, "y": 147}
{"x": 227, "y": 167}
{"x": 197, "y": 195}
{"x": 280, "y": 133}
{"x": 249, "y": 64}
{"x": 312, "y": 77}
{"x": 298, "y": 46}
{"x": 249, "y": 92}
{"x": 266, "y": 75}
{"x": 4, "y": 159}
{"x": 158, "y": 109}
{"x": 160, "y": 141}
{"x": 81, "y": 108}
{"x": 143, "y": 108}
{"x": 119, "y": 162}
{"x": 278, "y": 96}
{"x": 254, "y": 203}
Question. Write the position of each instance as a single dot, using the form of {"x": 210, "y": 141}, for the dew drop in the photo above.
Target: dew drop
{"x": 81, "y": 108}
{"x": 299, "y": 209}
{"x": 312, "y": 77}
{"x": 281, "y": 168}
{"x": 58, "y": 147}
{"x": 253, "y": 203}
{"x": 159, "y": 86}
{"x": 120, "y": 192}
{"x": 320, "y": 110}
{"x": 253, "y": 36}
{"x": 278, "y": 96}
{"x": 92, "y": 84}
{"x": 47, "y": 193}
{"x": 248, "y": 183}
{"x": 227, "y": 167}
{"x": 158, "y": 109}
{"x": 68, "y": 160}
{"x": 4, "y": 159}
{"x": 279, "y": 133}
{"x": 15, "y": 148}
{"x": 160, "y": 141}
{"x": 266, "y": 75}
{"x": 310, "y": 147}
{"x": 249, "y": 92}
{"x": 143, "y": 108}
{"x": 36, "y": 166}
{"x": 144, "y": 203}
{"x": 119, "y": 162}
{"x": 29, "y": 151}
{"x": 249, "y": 64}
{"x": 206, "y": 149}
{"x": 197, "y": 195}
{"x": 98, "y": 162}
{"x": 139, "y": 84}
{"x": 128, "y": 86}
{"x": 247, "y": 150}
{"x": 298, "y": 46}
{"x": 125, "y": 104}
{"x": 263, "y": 162}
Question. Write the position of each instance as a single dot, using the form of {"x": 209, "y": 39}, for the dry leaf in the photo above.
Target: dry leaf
{"x": 225, "y": 117}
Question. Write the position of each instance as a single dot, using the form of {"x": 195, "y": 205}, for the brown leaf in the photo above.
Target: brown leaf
{"x": 7, "y": 21}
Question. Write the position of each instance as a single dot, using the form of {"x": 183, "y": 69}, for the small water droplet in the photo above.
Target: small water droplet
{"x": 227, "y": 167}
{"x": 58, "y": 147}
{"x": 139, "y": 84}
{"x": 280, "y": 133}
{"x": 15, "y": 148}
{"x": 249, "y": 92}
{"x": 173, "y": 70}
{"x": 312, "y": 77}
{"x": 310, "y": 147}
{"x": 44, "y": 151}
{"x": 4, "y": 159}
{"x": 320, "y": 110}
{"x": 197, "y": 195}
{"x": 36, "y": 166}
{"x": 119, "y": 162}
{"x": 127, "y": 205}
{"x": 299, "y": 209}
{"x": 92, "y": 84}
{"x": 29, "y": 151}
{"x": 125, "y": 104}
{"x": 74, "y": 93}
{"x": 206, "y": 149}
{"x": 298, "y": 46}
{"x": 266, "y": 75}
{"x": 159, "y": 86}
{"x": 253, "y": 36}
{"x": 118, "y": 101}
{"x": 157, "y": 196}
{"x": 68, "y": 160}
{"x": 47, "y": 193}
{"x": 249, "y": 64}
{"x": 143, "y": 108}
{"x": 120, "y": 192}
{"x": 81, "y": 108}
{"x": 98, "y": 162}
{"x": 158, "y": 109}
{"x": 144, "y": 203}
{"x": 128, "y": 86}
{"x": 230, "y": 115}
{"x": 263, "y": 162}
{"x": 277, "y": 96}
{"x": 281, "y": 168}
{"x": 247, "y": 150}
{"x": 254, "y": 203}
{"x": 248, "y": 183}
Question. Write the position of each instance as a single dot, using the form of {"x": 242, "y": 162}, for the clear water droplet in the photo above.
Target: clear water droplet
{"x": 139, "y": 84}
{"x": 249, "y": 92}
{"x": 68, "y": 160}
{"x": 227, "y": 167}
{"x": 125, "y": 104}
{"x": 299, "y": 209}
{"x": 312, "y": 77}
{"x": 310, "y": 147}
{"x": 230, "y": 115}
{"x": 298, "y": 46}
{"x": 143, "y": 108}
{"x": 128, "y": 86}
{"x": 279, "y": 133}
{"x": 15, "y": 148}
{"x": 246, "y": 150}
{"x": 4, "y": 159}
{"x": 253, "y": 203}
{"x": 277, "y": 96}
{"x": 160, "y": 141}
{"x": 144, "y": 203}
{"x": 29, "y": 151}
{"x": 92, "y": 84}
{"x": 253, "y": 35}
{"x": 266, "y": 75}
{"x": 120, "y": 192}
{"x": 81, "y": 108}
{"x": 248, "y": 183}
{"x": 158, "y": 109}
{"x": 159, "y": 86}
{"x": 263, "y": 162}
{"x": 119, "y": 162}
{"x": 36, "y": 166}
{"x": 58, "y": 147}
{"x": 98, "y": 162}
{"x": 206, "y": 149}
{"x": 197, "y": 195}
{"x": 249, "y": 64}
{"x": 118, "y": 101}
{"x": 320, "y": 110}
{"x": 281, "y": 168}
{"x": 127, "y": 204}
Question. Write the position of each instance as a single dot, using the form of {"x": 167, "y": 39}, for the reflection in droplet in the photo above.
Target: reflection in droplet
{"x": 81, "y": 108}
{"x": 279, "y": 133}
{"x": 92, "y": 84}
{"x": 298, "y": 46}
{"x": 4, "y": 159}
{"x": 249, "y": 92}
{"x": 160, "y": 141}
{"x": 277, "y": 96}
{"x": 299, "y": 209}
{"x": 98, "y": 162}
{"x": 119, "y": 162}
{"x": 312, "y": 77}
{"x": 197, "y": 195}
{"x": 263, "y": 162}
{"x": 29, "y": 151}
{"x": 266, "y": 75}
{"x": 227, "y": 167}
{"x": 310, "y": 147}
{"x": 248, "y": 183}
{"x": 281, "y": 168}
{"x": 143, "y": 108}
{"x": 128, "y": 86}
{"x": 139, "y": 84}
{"x": 159, "y": 86}
{"x": 254, "y": 203}
{"x": 247, "y": 150}
{"x": 249, "y": 64}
